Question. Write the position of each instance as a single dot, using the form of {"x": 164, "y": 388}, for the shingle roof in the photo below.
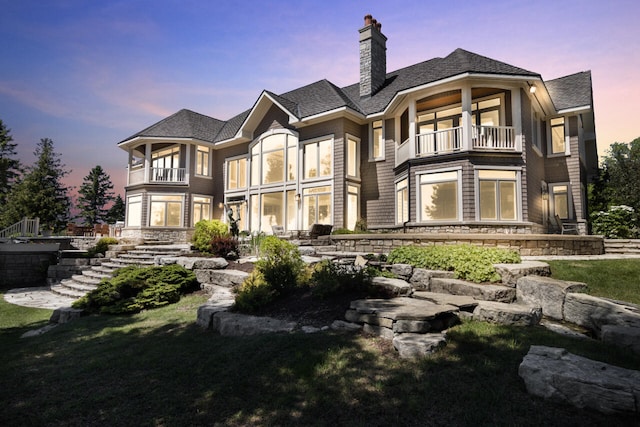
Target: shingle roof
{"x": 184, "y": 124}
{"x": 323, "y": 96}
{"x": 571, "y": 91}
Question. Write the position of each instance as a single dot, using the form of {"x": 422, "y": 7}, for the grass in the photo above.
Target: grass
{"x": 618, "y": 279}
{"x": 157, "y": 368}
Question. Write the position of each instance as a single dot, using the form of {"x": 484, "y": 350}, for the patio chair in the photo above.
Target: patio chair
{"x": 565, "y": 227}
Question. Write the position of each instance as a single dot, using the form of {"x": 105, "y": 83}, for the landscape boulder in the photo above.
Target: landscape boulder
{"x": 553, "y": 373}
{"x": 593, "y": 312}
{"x": 546, "y": 293}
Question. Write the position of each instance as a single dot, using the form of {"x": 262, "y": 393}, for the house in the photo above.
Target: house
{"x": 462, "y": 143}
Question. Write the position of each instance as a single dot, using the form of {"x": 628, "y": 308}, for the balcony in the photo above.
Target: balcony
{"x": 158, "y": 176}
{"x": 482, "y": 138}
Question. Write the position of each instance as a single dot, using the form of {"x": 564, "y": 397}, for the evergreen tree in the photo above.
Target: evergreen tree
{"x": 622, "y": 171}
{"x": 10, "y": 167}
{"x": 117, "y": 211}
{"x": 95, "y": 192}
{"x": 41, "y": 192}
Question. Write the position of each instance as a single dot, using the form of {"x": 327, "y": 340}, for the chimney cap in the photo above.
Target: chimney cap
{"x": 367, "y": 20}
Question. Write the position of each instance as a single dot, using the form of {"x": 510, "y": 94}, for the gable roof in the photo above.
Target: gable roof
{"x": 571, "y": 91}
{"x": 323, "y": 96}
{"x": 183, "y": 124}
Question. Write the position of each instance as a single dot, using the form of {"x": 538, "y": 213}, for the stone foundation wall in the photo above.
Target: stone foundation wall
{"x": 165, "y": 234}
{"x": 526, "y": 245}
{"x": 468, "y": 228}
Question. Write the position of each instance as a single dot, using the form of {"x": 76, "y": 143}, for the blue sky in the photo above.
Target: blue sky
{"x": 89, "y": 74}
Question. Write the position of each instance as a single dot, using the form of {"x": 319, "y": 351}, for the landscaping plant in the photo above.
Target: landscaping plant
{"x": 133, "y": 289}
{"x": 468, "y": 262}
{"x": 102, "y": 246}
{"x": 206, "y": 230}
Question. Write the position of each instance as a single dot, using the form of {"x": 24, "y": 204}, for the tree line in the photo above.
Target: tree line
{"x": 38, "y": 191}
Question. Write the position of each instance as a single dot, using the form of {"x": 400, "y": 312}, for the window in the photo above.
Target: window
{"x": 353, "y": 204}
{"x": 134, "y": 211}
{"x": 376, "y": 148}
{"x": 318, "y": 159}
{"x": 165, "y": 211}
{"x": 236, "y": 174}
{"x": 201, "y": 208}
{"x": 316, "y": 206}
{"x": 402, "y": 201}
{"x": 497, "y": 195}
{"x": 353, "y": 156}
{"x": 439, "y": 196}
{"x": 166, "y": 165}
{"x": 202, "y": 161}
{"x": 273, "y": 159}
{"x": 558, "y": 145}
{"x": 535, "y": 133}
{"x": 561, "y": 202}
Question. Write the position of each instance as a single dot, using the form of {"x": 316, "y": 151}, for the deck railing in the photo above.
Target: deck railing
{"x": 171, "y": 175}
{"x": 493, "y": 138}
{"x": 439, "y": 142}
{"x": 25, "y": 227}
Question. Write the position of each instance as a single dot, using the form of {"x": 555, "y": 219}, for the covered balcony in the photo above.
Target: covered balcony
{"x": 158, "y": 164}
{"x": 443, "y": 124}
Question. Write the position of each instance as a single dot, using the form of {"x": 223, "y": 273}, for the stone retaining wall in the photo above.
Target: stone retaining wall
{"x": 25, "y": 265}
{"x": 622, "y": 246}
{"x": 527, "y": 245}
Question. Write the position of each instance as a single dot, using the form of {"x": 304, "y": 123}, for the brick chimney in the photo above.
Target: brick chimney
{"x": 373, "y": 57}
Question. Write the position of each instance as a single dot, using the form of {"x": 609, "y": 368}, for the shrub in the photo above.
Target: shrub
{"x": 330, "y": 278}
{"x": 133, "y": 289}
{"x": 619, "y": 222}
{"x": 361, "y": 226}
{"x": 468, "y": 262}
{"x": 280, "y": 264}
{"x": 341, "y": 231}
{"x": 102, "y": 246}
{"x": 225, "y": 247}
{"x": 254, "y": 293}
{"x": 205, "y": 231}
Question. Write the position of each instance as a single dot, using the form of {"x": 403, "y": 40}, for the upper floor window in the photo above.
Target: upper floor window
{"x": 376, "y": 148}
{"x": 353, "y": 155}
{"x": 439, "y": 193}
{"x": 318, "y": 159}
{"x": 202, "y": 161}
{"x": 498, "y": 195}
{"x": 237, "y": 173}
{"x": 558, "y": 145}
{"x": 273, "y": 159}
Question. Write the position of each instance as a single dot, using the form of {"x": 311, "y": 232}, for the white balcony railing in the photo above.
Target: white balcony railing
{"x": 493, "y": 138}
{"x": 439, "y": 142}
{"x": 482, "y": 138}
{"x": 170, "y": 175}
{"x": 136, "y": 176}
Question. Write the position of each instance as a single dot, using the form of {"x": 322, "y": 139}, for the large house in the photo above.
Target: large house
{"x": 463, "y": 143}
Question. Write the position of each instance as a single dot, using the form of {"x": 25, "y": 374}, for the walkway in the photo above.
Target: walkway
{"x": 37, "y": 298}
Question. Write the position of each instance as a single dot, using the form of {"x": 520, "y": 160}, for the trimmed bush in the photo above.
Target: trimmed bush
{"x": 254, "y": 293}
{"x": 133, "y": 289}
{"x": 330, "y": 278}
{"x": 206, "y": 230}
{"x": 225, "y": 247}
{"x": 468, "y": 262}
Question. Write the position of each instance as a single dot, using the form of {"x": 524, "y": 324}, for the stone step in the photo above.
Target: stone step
{"x": 479, "y": 291}
{"x": 507, "y": 314}
{"x": 96, "y": 274}
{"x": 77, "y": 286}
{"x": 464, "y": 303}
{"x": 104, "y": 269}
{"x": 67, "y": 292}
{"x": 86, "y": 280}
{"x": 143, "y": 257}
{"x": 123, "y": 262}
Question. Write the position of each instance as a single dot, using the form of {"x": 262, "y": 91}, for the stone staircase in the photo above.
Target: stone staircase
{"x": 118, "y": 257}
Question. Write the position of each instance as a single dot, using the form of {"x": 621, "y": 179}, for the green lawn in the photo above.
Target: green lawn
{"x": 618, "y": 279}
{"x": 158, "y": 368}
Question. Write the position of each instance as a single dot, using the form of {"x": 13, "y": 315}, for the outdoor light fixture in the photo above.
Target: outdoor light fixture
{"x": 532, "y": 89}
{"x": 221, "y": 205}
{"x": 297, "y": 197}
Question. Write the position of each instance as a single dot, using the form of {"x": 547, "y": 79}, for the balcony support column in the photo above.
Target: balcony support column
{"x": 517, "y": 118}
{"x": 412, "y": 129}
{"x": 147, "y": 163}
{"x": 467, "y": 121}
{"x": 187, "y": 166}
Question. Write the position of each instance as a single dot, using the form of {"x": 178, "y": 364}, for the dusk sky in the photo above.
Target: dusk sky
{"x": 89, "y": 74}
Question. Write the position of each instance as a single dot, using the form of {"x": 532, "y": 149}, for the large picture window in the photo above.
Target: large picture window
{"x": 439, "y": 196}
{"x": 498, "y": 190}
{"x": 273, "y": 159}
{"x": 165, "y": 211}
